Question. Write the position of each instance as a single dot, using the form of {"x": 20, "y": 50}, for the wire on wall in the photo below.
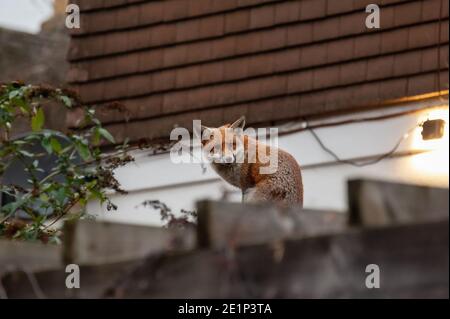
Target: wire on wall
{"x": 361, "y": 163}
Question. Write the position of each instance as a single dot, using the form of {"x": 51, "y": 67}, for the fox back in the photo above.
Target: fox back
{"x": 263, "y": 173}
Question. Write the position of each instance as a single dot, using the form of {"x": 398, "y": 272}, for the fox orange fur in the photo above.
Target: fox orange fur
{"x": 283, "y": 186}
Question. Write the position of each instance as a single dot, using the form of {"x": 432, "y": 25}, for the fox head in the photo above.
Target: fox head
{"x": 224, "y": 144}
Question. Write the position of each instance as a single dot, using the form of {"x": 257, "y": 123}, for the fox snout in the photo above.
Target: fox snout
{"x": 222, "y": 159}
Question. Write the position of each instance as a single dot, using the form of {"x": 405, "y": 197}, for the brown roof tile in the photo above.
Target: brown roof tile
{"x": 175, "y": 9}
{"x": 407, "y": 63}
{"x": 352, "y": 23}
{"x": 299, "y": 34}
{"x": 270, "y": 59}
{"x": 380, "y": 68}
{"x": 257, "y": 64}
{"x": 186, "y": 31}
{"x": 188, "y": 77}
{"x": 423, "y": 35}
{"x": 272, "y": 39}
{"x": 419, "y": 84}
{"x": 212, "y": 73}
{"x": 165, "y": 80}
{"x": 340, "y": 50}
{"x": 286, "y": 60}
{"x": 393, "y": 88}
{"x": 395, "y": 40}
{"x": 262, "y": 17}
{"x": 287, "y": 12}
{"x": 310, "y": 9}
{"x": 334, "y": 7}
{"x": 413, "y": 10}
{"x": 174, "y": 56}
{"x": 248, "y": 43}
{"x": 353, "y": 72}
{"x": 224, "y": 47}
{"x": 237, "y": 21}
{"x": 300, "y": 82}
{"x": 151, "y": 12}
{"x": 174, "y": 102}
{"x": 235, "y": 69}
{"x": 314, "y": 55}
{"x": 149, "y": 60}
{"x": 326, "y": 77}
{"x": 197, "y": 52}
{"x": 326, "y": 29}
{"x": 366, "y": 45}
{"x": 127, "y": 17}
{"x": 430, "y": 61}
{"x": 211, "y": 26}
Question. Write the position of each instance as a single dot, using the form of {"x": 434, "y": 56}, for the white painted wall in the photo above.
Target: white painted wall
{"x": 181, "y": 185}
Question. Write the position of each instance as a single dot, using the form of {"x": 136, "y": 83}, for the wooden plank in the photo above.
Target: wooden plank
{"x": 30, "y": 256}
{"x": 413, "y": 261}
{"x": 94, "y": 281}
{"x": 373, "y": 202}
{"x": 91, "y": 243}
{"x": 222, "y": 224}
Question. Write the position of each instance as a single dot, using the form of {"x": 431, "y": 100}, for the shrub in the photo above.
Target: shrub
{"x": 76, "y": 168}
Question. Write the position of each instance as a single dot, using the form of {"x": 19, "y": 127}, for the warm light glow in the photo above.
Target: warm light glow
{"x": 436, "y": 161}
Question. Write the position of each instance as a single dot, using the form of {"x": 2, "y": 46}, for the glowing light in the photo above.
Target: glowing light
{"x": 436, "y": 161}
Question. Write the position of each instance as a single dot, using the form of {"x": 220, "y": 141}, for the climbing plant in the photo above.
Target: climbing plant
{"x": 63, "y": 169}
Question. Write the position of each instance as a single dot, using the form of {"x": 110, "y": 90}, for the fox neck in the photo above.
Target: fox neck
{"x": 230, "y": 173}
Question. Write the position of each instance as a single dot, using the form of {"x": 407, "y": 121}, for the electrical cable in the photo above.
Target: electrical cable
{"x": 356, "y": 163}
{"x": 357, "y": 120}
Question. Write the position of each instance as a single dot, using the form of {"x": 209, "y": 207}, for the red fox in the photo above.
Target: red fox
{"x": 239, "y": 159}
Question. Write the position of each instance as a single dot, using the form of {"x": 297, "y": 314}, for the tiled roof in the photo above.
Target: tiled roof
{"x": 176, "y": 60}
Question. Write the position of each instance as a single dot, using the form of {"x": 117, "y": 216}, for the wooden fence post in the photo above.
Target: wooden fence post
{"x": 222, "y": 224}
{"x": 377, "y": 203}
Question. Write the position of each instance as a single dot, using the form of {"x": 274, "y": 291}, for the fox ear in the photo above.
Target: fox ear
{"x": 204, "y": 128}
{"x": 239, "y": 123}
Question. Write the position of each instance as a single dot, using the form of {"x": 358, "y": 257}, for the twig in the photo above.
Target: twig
{"x": 34, "y": 284}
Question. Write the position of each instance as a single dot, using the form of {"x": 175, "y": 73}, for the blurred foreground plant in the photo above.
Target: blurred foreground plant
{"x": 78, "y": 170}
{"x": 186, "y": 218}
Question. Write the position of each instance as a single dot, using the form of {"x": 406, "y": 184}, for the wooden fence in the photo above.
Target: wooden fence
{"x": 251, "y": 251}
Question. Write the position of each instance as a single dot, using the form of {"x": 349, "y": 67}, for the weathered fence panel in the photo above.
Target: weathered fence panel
{"x": 94, "y": 281}
{"x": 222, "y": 224}
{"x": 413, "y": 261}
{"x": 376, "y": 203}
{"x": 29, "y": 256}
{"x": 88, "y": 242}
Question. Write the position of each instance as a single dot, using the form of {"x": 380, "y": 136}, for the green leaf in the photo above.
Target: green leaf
{"x": 61, "y": 196}
{"x": 13, "y": 94}
{"x": 83, "y": 150}
{"x": 56, "y": 146}
{"x": 22, "y": 105}
{"x": 66, "y": 100}
{"x": 13, "y": 206}
{"x": 37, "y": 121}
{"x": 47, "y": 145}
{"x": 106, "y": 134}
{"x": 96, "y": 195}
{"x": 96, "y": 137}
{"x": 26, "y": 153}
{"x": 43, "y": 197}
